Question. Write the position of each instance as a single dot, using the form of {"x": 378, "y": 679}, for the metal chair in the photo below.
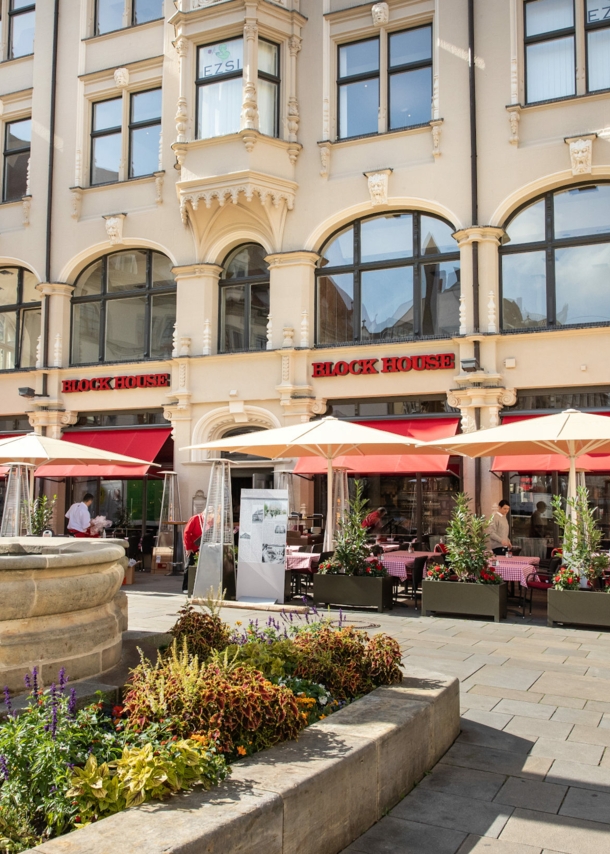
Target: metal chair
{"x": 417, "y": 575}
{"x": 541, "y": 580}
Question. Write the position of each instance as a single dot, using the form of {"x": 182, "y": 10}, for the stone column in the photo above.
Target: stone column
{"x": 197, "y": 306}
{"x": 488, "y": 239}
{"x": 57, "y": 305}
{"x": 292, "y": 288}
{"x": 249, "y": 110}
{"x": 294, "y": 46}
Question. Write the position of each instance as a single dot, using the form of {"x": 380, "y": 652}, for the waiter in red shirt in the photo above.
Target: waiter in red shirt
{"x": 193, "y": 531}
{"x": 374, "y": 521}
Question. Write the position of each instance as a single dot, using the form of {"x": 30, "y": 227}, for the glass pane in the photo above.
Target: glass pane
{"x": 127, "y": 270}
{"x": 146, "y": 106}
{"x": 85, "y": 333}
{"x": 546, "y": 16}
{"x": 268, "y": 56}
{"x": 221, "y": 58}
{"x": 411, "y": 46}
{"x": 387, "y": 304}
{"x": 22, "y": 34}
{"x": 90, "y": 281}
{"x": 440, "y": 305}
{"x": 18, "y": 134}
{"x": 111, "y": 499}
{"x": 436, "y": 236}
{"x": 15, "y": 176}
{"x": 335, "y": 308}
{"x": 125, "y": 329}
{"x": 144, "y": 151}
{"x": 584, "y": 210}
{"x": 232, "y": 319}
{"x": 106, "y": 158}
{"x": 109, "y": 15}
{"x": 8, "y": 327}
{"x": 267, "y": 107}
{"x": 599, "y": 497}
{"x": 340, "y": 250}
{"x": 550, "y": 69}
{"x": 21, "y": 4}
{"x": 147, "y": 10}
{"x": 30, "y": 294}
{"x": 410, "y": 98}
{"x": 162, "y": 275}
{"x": 259, "y": 315}
{"x": 582, "y": 283}
{"x": 531, "y": 515}
{"x": 9, "y": 280}
{"x": 528, "y": 225}
{"x": 219, "y": 108}
{"x": 524, "y": 290}
{"x": 437, "y": 505}
{"x": 108, "y": 114}
{"x": 246, "y": 262}
{"x": 386, "y": 237}
{"x": 599, "y": 59}
{"x": 358, "y": 108}
{"x": 163, "y": 317}
{"x": 29, "y": 337}
{"x": 359, "y": 58}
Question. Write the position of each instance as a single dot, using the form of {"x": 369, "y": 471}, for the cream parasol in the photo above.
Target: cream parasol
{"x": 328, "y": 438}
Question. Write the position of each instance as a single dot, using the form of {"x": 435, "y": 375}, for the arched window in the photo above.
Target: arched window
{"x": 556, "y": 261}
{"x": 20, "y": 314}
{"x": 389, "y": 278}
{"x": 244, "y": 300}
{"x": 124, "y": 309}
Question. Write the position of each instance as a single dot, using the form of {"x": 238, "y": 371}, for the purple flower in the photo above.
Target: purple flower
{"x": 54, "y": 721}
{"x": 35, "y": 680}
{"x": 3, "y": 767}
{"x": 63, "y": 679}
{"x": 72, "y": 703}
{"x": 28, "y": 683}
{"x": 7, "y": 700}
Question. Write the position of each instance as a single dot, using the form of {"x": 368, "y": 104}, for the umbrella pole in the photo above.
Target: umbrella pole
{"x": 572, "y": 485}
{"x": 329, "y": 534}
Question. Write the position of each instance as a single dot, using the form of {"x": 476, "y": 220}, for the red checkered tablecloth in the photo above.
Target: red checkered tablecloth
{"x": 398, "y": 563}
{"x": 302, "y": 560}
{"x": 514, "y": 569}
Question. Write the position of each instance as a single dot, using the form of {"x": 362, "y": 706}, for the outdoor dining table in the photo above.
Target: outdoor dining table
{"x": 399, "y": 563}
{"x": 515, "y": 568}
{"x": 303, "y": 561}
{"x": 389, "y": 547}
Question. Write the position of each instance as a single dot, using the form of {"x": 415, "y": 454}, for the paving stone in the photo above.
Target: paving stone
{"x": 542, "y": 797}
{"x": 587, "y": 754}
{"x": 582, "y": 687}
{"x": 590, "y": 735}
{"x": 577, "y": 716}
{"x": 597, "y": 706}
{"x": 584, "y": 803}
{"x": 467, "y": 782}
{"x": 599, "y": 672}
{"x": 580, "y": 774}
{"x": 486, "y": 736}
{"x": 556, "y": 832}
{"x": 542, "y": 665}
{"x": 478, "y": 701}
{"x": 500, "y": 761}
{"x": 527, "y": 710}
{"x": 564, "y": 702}
{"x": 448, "y": 666}
{"x": 488, "y": 718}
{"x": 509, "y": 694}
{"x": 397, "y": 836}
{"x": 538, "y": 728}
{"x": 508, "y": 677}
{"x": 484, "y": 845}
{"x": 454, "y": 812}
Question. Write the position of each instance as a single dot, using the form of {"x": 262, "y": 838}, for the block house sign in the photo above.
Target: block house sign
{"x": 389, "y": 365}
{"x": 116, "y": 383}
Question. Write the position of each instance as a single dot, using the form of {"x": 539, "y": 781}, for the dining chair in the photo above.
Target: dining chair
{"x": 542, "y": 579}
{"x": 417, "y": 575}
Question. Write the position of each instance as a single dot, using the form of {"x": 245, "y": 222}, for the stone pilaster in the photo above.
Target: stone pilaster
{"x": 197, "y": 307}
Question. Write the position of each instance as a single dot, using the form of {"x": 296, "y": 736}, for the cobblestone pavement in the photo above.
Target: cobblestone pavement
{"x": 530, "y": 771}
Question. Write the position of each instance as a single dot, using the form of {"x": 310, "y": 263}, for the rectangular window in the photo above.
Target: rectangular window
{"x": 335, "y": 310}
{"x": 125, "y": 329}
{"x": 86, "y": 333}
{"x": 17, "y": 138}
{"x": 386, "y": 303}
{"x": 410, "y": 77}
{"x": 219, "y": 88}
{"x": 597, "y": 28}
{"x": 524, "y": 290}
{"x": 30, "y": 330}
{"x": 111, "y": 15}
{"x": 233, "y": 318}
{"x": 146, "y": 10}
{"x": 550, "y": 64}
{"x": 268, "y": 87}
{"x": 8, "y": 339}
{"x": 162, "y": 320}
{"x": 144, "y": 132}
{"x": 22, "y": 14}
{"x": 106, "y": 141}
{"x": 358, "y": 83}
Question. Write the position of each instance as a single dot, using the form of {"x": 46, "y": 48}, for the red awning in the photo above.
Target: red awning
{"x": 547, "y": 462}
{"x": 143, "y": 444}
{"x": 422, "y": 429}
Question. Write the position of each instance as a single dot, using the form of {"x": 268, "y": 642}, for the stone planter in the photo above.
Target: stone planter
{"x": 578, "y": 607}
{"x": 454, "y": 597}
{"x": 352, "y": 590}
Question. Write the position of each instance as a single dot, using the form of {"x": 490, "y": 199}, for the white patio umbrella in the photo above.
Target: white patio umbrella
{"x": 328, "y": 438}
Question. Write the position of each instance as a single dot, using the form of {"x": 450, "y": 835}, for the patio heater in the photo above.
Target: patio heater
{"x": 216, "y": 564}
{"x": 16, "y": 519}
{"x": 168, "y": 550}
{"x": 283, "y": 480}
{"x": 340, "y": 505}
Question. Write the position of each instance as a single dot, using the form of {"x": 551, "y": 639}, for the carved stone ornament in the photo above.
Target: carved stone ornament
{"x": 436, "y": 137}
{"x": 269, "y": 332}
{"x": 121, "y": 78}
{"x": 304, "y": 328}
{"x": 288, "y": 336}
{"x": 492, "y": 326}
{"x": 378, "y": 186}
{"x": 181, "y": 119}
{"x": 249, "y": 111}
{"x": 581, "y": 153}
{"x": 114, "y": 228}
{"x": 185, "y": 346}
{"x": 77, "y": 197}
{"x": 39, "y": 352}
{"x": 381, "y": 14}
{"x": 207, "y": 338}
{"x": 159, "y": 176}
{"x": 26, "y": 204}
{"x": 57, "y": 351}
{"x": 514, "y": 117}
{"x": 324, "y": 160}
{"x": 182, "y": 45}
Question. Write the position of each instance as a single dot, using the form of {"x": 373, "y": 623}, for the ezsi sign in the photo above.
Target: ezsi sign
{"x": 115, "y": 383}
{"x": 389, "y": 365}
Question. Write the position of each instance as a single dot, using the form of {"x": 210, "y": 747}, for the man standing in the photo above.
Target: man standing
{"x": 498, "y": 529}
{"x": 79, "y": 518}
{"x": 538, "y": 522}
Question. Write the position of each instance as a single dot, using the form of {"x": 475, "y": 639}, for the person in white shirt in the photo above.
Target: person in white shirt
{"x": 499, "y": 529}
{"x": 79, "y": 518}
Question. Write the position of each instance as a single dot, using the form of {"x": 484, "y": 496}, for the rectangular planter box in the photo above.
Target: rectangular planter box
{"x": 454, "y": 597}
{"x": 578, "y": 607}
{"x": 352, "y": 590}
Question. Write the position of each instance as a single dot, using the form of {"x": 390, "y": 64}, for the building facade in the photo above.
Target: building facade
{"x": 222, "y": 215}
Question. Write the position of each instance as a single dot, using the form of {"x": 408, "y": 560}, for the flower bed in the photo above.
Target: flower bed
{"x": 211, "y": 698}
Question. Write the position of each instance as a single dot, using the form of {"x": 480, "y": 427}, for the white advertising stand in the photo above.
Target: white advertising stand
{"x": 263, "y": 521}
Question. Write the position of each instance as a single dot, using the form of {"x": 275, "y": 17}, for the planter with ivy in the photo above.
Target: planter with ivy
{"x": 352, "y": 577}
{"x": 476, "y": 590}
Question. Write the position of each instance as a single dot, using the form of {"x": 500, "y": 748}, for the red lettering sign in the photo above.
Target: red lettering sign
{"x": 389, "y": 365}
{"x": 123, "y": 382}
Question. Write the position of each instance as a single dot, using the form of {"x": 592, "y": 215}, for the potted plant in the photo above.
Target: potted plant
{"x": 352, "y": 576}
{"x": 583, "y": 566}
{"x": 41, "y": 514}
{"x": 477, "y": 589}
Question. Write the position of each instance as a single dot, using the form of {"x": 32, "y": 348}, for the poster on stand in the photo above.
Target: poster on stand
{"x": 263, "y": 521}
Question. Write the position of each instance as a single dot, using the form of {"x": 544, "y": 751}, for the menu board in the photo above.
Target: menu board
{"x": 263, "y": 521}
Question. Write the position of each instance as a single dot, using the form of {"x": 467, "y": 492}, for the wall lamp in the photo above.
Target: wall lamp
{"x": 29, "y": 393}
{"x": 470, "y": 366}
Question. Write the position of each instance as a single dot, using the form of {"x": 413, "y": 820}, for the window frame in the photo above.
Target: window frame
{"x": 205, "y": 81}
{"x": 19, "y": 308}
{"x": 6, "y": 153}
{"x": 409, "y": 66}
{"x": 589, "y": 27}
{"x": 553, "y": 35}
{"x": 131, "y": 126}
{"x": 275, "y": 79}
{"x": 246, "y": 282}
{"x": 549, "y": 245}
{"x": 15, "y": 13}
{"x": 104, "y": 297}
{"x": 129, "y": 14}
{"x": 417, "y": 260}
{"x": 97, "y": 134}
{"x": 356, "y": 78}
